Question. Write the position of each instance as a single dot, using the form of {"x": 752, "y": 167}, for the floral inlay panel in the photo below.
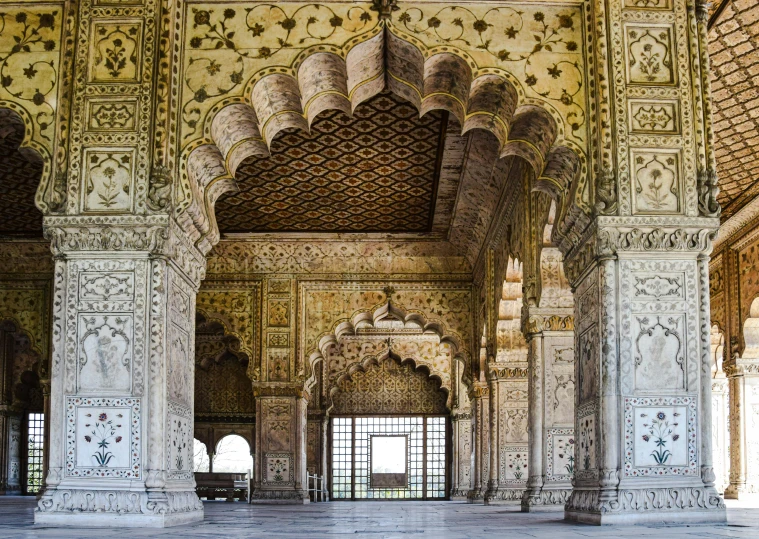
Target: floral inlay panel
{"x": 560, "y": 452}
{"x": 660, "y": 436}
{"x": 103, "y": 437}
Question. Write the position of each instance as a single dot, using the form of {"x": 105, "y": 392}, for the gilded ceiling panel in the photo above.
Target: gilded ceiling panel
{"x": 373, "y": 172}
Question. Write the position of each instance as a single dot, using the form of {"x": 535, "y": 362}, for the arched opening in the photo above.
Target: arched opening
{"x": 389, "y": 433}
{"x": 200, "y": 460}
{"x": 24, "y": 429}
{"x": 232, "y": 455}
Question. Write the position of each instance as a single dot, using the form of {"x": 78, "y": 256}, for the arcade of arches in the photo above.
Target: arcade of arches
{"x": 490, "y": 229}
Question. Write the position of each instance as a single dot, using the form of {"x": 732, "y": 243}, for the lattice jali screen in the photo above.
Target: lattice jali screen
{"x": 352, "y": 460}
{"x": 389, "y": 388}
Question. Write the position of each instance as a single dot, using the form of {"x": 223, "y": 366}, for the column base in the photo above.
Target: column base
{"x": 279, "y": 497}
{"x": 505, "y": 496}
{"x": 544, "y": 496}
{"x": 474, "y": 495}
{"x": 75, "y": 508}
{"x": 459, "y": 494}
{"x": 647, "y": 506}
{"x": 741, "y": 493}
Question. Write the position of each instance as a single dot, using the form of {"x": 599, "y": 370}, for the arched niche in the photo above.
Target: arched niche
{"x": 222, "y": 386}
{"x": 20, "y": 178}
{"x": 374, "y": 333}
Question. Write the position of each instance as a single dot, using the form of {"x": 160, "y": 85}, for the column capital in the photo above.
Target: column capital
{"x": 156, "y": 236}
{"x": 611, "y": 237}
{"x": 269, "y": 389}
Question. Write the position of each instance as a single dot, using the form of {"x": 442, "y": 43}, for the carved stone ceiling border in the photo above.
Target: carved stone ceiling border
{"x": 373, "y": 172}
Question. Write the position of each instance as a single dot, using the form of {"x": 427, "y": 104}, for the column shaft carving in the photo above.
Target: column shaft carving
{"x": 480, "y": 399}
{"x": 551, "y": 398}
{"x": 643, "y": 376}
{"x": 122, "y": 380}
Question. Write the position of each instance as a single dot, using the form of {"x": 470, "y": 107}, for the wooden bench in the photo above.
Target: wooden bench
{"x": 231, "y": 486}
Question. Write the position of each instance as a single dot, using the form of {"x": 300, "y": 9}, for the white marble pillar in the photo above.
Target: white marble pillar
{"x": 743, "y": 376}
{"x": 479, "y": 397}
{"x": 121, "y": 402}
{"x": 280, "y": 472}
{"x": 551, "y": 407}
{"x": 461, "y": 460}
{"x": 720, "y": 413}
{"x": 642, "y": 351}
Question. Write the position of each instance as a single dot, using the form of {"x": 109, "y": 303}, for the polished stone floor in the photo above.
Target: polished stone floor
{"x": 381, "y": 520}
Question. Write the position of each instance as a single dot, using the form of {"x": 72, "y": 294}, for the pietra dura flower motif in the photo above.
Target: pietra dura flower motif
{"x": 660, "y": 431}
{"x": 225, "y": 43}
{"x": 104, "y": 433}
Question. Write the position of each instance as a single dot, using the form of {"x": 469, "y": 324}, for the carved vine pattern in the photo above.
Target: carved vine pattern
{"x": 457, "y": 25}
{"x": 273, "y": 31}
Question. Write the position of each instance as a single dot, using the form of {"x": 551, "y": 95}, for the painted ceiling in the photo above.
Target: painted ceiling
{"x": 376, "y": 171}
{"x": 734, "y": 51}
{"x": 19, "y": 177}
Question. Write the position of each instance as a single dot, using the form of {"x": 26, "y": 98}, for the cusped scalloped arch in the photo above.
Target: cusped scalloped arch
{"x": 326, "y": 78}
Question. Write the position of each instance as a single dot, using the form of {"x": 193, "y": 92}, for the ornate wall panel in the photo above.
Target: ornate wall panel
{"x": 330, "y": 306}
{"x": 32, "y": 72}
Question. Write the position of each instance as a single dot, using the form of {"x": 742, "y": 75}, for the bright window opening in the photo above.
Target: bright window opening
{"x": 35, "y": 452}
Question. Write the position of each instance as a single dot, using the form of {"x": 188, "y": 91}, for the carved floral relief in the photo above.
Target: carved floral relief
{"x": 657, "y": 184}
{"x": 108, "y": 180}
{"x": 105, "y": 352}
{"x": 115, "y": 51}
{"x": 650, "y": 55}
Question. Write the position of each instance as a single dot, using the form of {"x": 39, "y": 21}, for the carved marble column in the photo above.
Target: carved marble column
{"x": 508, "y": 434}
{"x": 479, "y": 397}
{"x": 551, "y": 406}
{"x": 280, "y": 463}
{"x": 121, "y": 400}
{"x": 637, "y": 259}
{"x": 10, "y": 450}
{"x": 461, "y": 460}
{"x": 643, "y": 403}
{"x": 743, "y": 377}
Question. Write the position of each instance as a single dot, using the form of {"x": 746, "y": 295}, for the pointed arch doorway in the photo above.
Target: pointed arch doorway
{"x": 389, "y": 433}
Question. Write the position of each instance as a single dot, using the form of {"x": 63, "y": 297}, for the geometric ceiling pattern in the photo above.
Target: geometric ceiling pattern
{"x": 375, "y": 171}
{"x": 20, "y": 175}
{"x": 734, "y": 51}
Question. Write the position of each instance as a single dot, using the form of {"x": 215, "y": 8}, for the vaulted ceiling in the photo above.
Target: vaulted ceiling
{"x": 377, "y": 171}
{"x": 734, "y": 51}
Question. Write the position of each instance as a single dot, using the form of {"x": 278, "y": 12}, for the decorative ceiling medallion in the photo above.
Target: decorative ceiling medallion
{"x": 374, "y": 172}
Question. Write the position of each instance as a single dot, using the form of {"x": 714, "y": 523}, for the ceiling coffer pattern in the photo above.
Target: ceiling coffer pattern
{"x": 372, "y": 172}
{"x": 734, "y": 52}
{"x": 338, "y": 59}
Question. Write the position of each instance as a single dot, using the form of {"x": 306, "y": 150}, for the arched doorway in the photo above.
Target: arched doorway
{"x": 389, "y": 433}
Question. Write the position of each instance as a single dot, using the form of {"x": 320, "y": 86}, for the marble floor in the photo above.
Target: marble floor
{"x": 381, "y": 520}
